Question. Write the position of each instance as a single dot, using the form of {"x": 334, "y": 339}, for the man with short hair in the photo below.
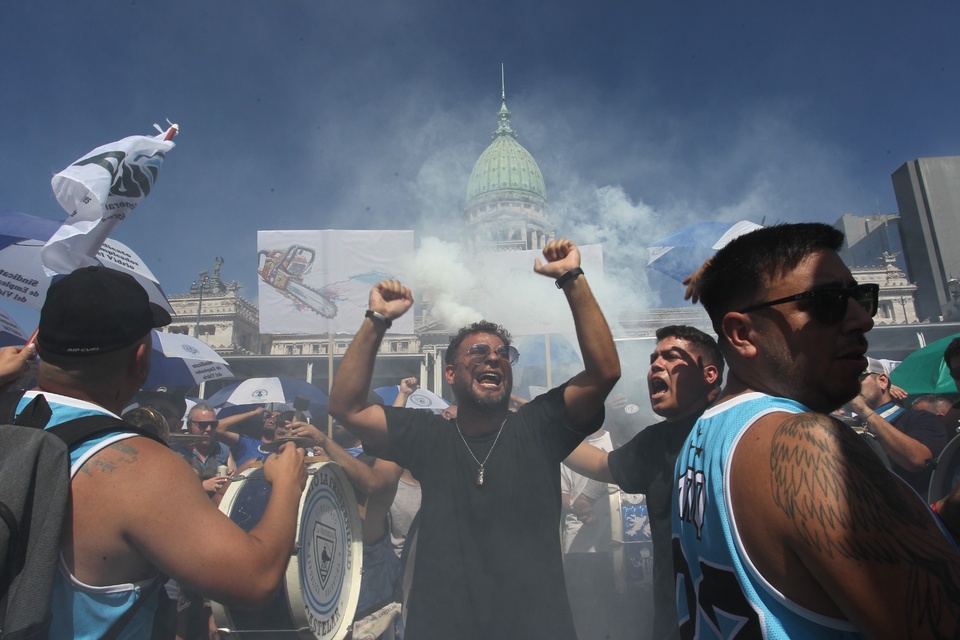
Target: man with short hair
{"x": 686, "y": 371}
{"x": 911, "y": 439}
{"x": 936, "y": 403}
{"x": 246, "y": 449}
{"x": 171, "y": 406}
{"x": 206, "y": 456}
{"x": 488, "y": 561}
{"x": 134, "y": 501}
{"x": 786, "y": 524}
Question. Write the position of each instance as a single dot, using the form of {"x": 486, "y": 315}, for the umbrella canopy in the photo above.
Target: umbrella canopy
{"x": 259, "y": 391}
{"x": 10, "y": 331}
{"x": 419, "y": 399}
{"x": 924, "y": 370}
{"x": 682, "y": 252}
{"x": 23, "y": 278}
{"x": 180, "y": 360}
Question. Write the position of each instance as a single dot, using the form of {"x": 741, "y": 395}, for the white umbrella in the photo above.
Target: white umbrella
{"x": 258, "y": 391}
{"x": 182, "y": 360}
{"x": 22, "y": 277}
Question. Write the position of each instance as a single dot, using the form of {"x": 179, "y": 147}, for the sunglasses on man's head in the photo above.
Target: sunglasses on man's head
{"x": 829, "y": 305}
{"x": 481, "y": 351}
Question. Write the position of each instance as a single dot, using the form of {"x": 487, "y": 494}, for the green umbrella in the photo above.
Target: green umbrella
{"x": 924, "y": 370}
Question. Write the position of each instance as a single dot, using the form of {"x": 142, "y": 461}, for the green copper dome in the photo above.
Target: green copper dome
{"x": 505, "y": 166}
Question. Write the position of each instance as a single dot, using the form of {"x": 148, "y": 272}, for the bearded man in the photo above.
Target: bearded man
{"x": 488, "y": 561}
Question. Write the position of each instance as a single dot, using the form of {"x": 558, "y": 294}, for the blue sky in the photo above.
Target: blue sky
{"x": 643, "y": 116}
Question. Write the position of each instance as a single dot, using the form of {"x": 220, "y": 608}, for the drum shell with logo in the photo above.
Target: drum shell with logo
{"x": 632, "y": 541}
{"x": 319, "y": 594}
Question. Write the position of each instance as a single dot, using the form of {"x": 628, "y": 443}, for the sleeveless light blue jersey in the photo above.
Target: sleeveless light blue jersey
{"x": 720, "y": 594}
{"x": 79, "y": 610}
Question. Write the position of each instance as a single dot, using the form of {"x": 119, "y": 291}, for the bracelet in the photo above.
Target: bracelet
{"x": 573, "y": 274}
{"x": 376, "y": 315}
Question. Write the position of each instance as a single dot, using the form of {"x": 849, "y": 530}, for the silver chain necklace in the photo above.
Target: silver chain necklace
{"x": 480, "y": 465}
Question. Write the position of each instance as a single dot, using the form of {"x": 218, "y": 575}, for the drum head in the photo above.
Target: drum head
{"x": 319, "y": 596}
{"x": 947, "y": 473}
{"x": 330, "y": 552}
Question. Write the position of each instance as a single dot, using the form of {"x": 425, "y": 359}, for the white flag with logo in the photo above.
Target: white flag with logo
{"x": 98, "y": 191}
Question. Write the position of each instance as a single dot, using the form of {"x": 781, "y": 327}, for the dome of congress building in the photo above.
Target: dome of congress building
{"x": 506, "y": 206}
{"x": 505, "y": 167}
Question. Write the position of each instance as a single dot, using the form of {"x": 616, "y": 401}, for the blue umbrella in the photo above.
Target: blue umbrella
{"x": 682, "y": 252}
{"x": 184, "y": 361}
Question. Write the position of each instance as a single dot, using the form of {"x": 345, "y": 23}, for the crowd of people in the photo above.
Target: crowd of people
{"x": 785, "y": 487}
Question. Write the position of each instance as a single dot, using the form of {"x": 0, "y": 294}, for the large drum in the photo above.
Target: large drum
{"x": 947, "y": 472}
{"x": 318, "y": 598}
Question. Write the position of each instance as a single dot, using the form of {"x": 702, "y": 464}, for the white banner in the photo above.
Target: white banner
{"x": 318, "y": 282}
{"x": 97, "y": 192}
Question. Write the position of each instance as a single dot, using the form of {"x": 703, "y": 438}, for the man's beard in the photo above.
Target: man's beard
{"x": 465, "y": 395}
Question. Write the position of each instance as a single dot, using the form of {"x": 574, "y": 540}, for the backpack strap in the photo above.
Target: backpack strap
{"x": 80, "y": 429}
{"x": 8, "y": 406}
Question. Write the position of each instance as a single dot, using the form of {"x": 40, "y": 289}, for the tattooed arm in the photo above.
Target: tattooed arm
{"x": 833, "y": 530}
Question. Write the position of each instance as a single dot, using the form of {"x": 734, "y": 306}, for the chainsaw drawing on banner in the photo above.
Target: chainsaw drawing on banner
{"x": 285, "y": 270}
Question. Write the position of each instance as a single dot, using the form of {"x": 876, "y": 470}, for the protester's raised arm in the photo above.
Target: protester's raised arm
{"x": 351, "y": 386}
{"x": 407, "y": 387}
{"x": 225, "y": 426}
{"x": 586, "y": 392}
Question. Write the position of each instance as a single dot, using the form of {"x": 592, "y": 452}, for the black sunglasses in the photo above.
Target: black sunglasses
{"x": 481, "y": 351}
{"x": 829, "y": 305}
{"x": 203, "y": 425}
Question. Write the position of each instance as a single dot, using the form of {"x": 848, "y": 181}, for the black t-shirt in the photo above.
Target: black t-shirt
{"x": 488, "y": 560}
{"x": 926, "y": 428}
{"x": 646, "y": 465}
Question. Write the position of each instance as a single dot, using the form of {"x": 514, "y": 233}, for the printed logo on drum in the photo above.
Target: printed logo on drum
{"x": 420, "y": 400}
{"x": 325, "y": 539}
{"x": 260, "y": 393}
{"x": 189, "y": 348}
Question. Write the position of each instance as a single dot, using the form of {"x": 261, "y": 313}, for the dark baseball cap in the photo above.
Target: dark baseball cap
{"x": 95, "y": 310}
